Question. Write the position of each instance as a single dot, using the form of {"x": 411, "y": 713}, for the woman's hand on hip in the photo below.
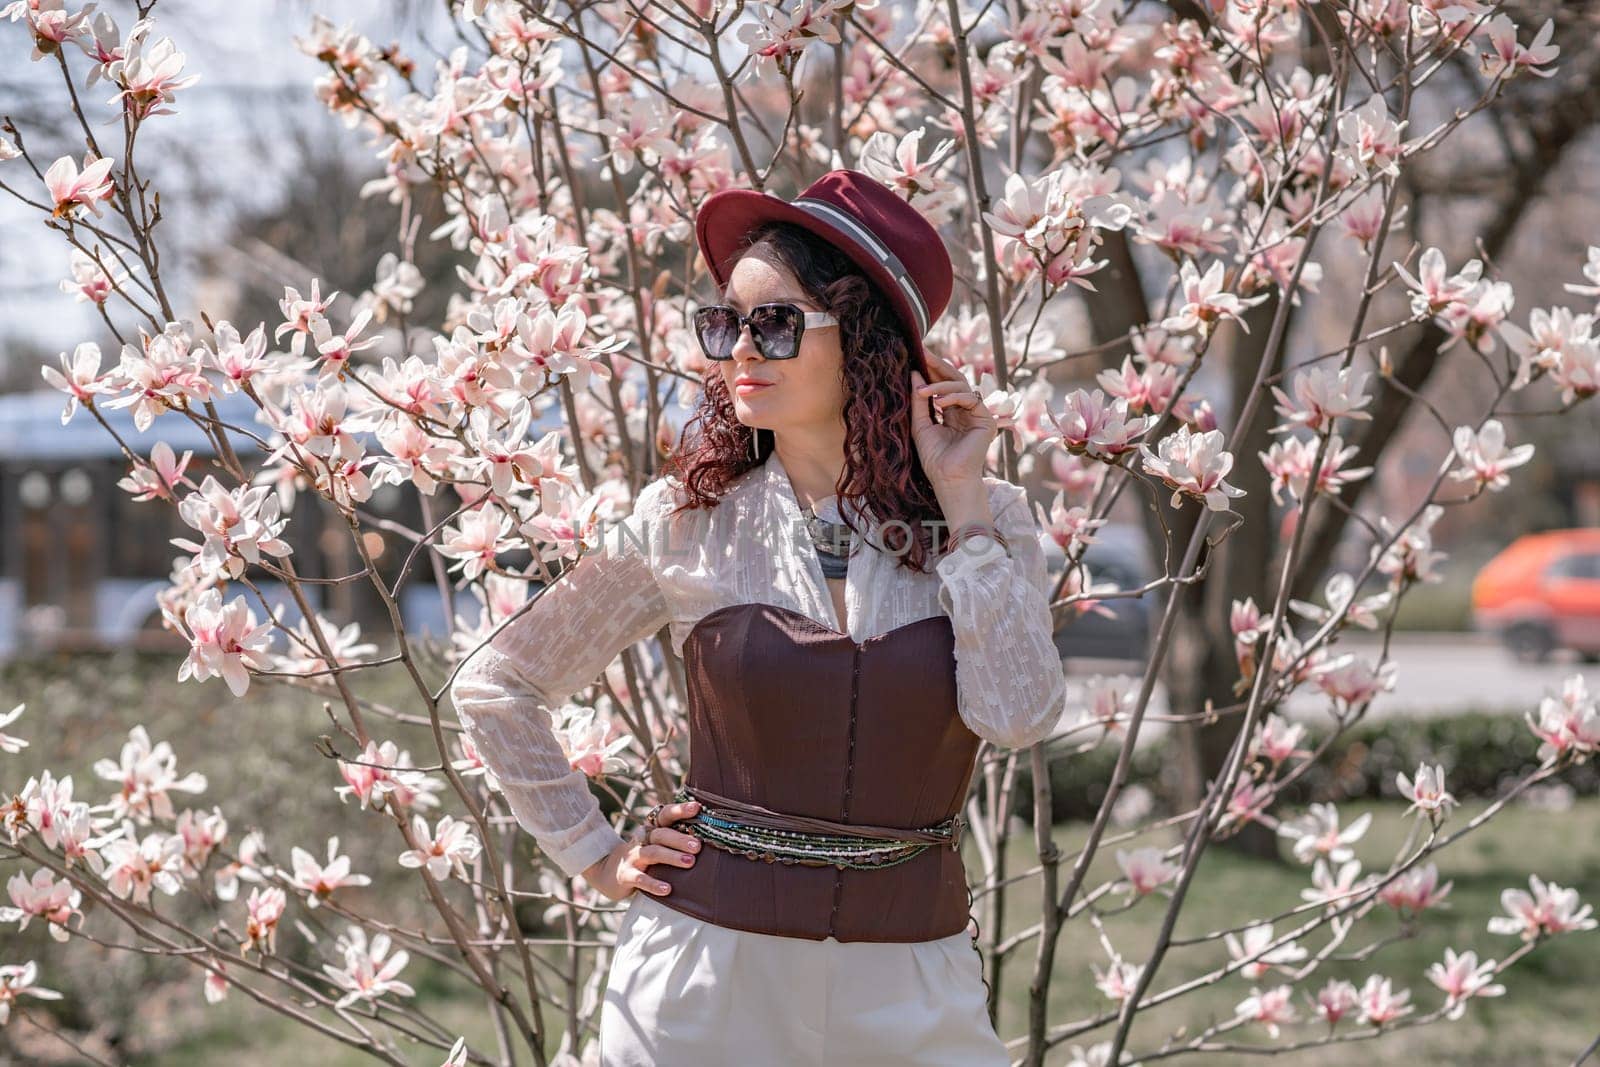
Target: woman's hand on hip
{"x": 617, "y": 875}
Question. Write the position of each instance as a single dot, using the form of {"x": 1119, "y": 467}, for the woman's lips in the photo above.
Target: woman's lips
{"x": 750, "y": 387}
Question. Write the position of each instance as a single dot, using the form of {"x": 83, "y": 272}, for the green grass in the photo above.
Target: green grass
{"x": 1547, "y": 1016}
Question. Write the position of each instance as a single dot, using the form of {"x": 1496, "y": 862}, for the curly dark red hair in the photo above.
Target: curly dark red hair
{"x": 881, "y": 465}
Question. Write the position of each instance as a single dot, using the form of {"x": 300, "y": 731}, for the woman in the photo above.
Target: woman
{"x": 803, "y": 898}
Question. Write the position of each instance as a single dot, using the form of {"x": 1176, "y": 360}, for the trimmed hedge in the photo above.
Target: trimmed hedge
{"x": 1482, "y": 754}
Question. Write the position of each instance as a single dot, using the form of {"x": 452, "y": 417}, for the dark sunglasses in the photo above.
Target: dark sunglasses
{"x": 776, "y": 329}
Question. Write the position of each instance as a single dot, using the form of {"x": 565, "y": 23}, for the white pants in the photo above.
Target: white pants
{"x": 683, "y": 992}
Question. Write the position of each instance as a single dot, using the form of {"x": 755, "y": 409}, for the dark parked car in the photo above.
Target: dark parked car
{"x": 1117, "y": 557}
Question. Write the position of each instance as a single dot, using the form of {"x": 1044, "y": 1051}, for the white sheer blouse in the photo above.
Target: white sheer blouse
{"x": 656, "y": 570}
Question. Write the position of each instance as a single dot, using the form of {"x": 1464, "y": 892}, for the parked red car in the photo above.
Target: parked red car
{"x": 1541, "y": 593}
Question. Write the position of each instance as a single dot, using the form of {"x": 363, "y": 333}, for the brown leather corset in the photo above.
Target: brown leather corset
{"x": 799, "y": 718}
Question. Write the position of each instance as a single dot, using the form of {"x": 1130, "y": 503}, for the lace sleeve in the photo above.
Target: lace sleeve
{"x": 1009, "y": 680}
{"x": 505, "y": 690}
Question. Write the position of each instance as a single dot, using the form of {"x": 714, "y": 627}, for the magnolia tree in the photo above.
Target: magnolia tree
{"x": 1221, "y": 151}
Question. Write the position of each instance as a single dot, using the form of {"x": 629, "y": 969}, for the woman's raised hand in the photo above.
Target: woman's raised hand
{"x": 617, "y": 875}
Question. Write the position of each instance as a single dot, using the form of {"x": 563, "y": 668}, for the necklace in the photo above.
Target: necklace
{"x": 834, "y": 542}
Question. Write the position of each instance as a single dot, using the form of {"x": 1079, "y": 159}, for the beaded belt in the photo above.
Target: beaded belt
{"x": 762, "y": 834}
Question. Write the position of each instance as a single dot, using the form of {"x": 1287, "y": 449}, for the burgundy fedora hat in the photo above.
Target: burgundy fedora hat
{"x": 885, "y": 236}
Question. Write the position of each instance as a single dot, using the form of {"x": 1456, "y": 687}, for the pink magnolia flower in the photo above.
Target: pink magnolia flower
{"x": 567, "y": 522}
{"x": 471, "y": 763}
{"x": 149, "y": 77}
{"x": 477, "y": 538}
{"x": 1591, "y": 271}
{"x": 163, "y": 373}
{"x": 1329, "y": 886}
{"x": 50, "y": 23}
{"x": 104, "y": 43}
{"x": 214, "y": 985}
{"x": 1427, "y": 794}
{"x": 1380, "y": 1003}
{"x": 1371, "y": 140}
{"x": 318, "y": 880}
{"x": 1567, "y": 724}
{"x": 1550, "y": 909}
{"x": 778, "y": 37}
{"x": 224, "y": 641}
{"x": 366, "y": 974}
{"x": 502, "y": 456}
{"x": 134, "y": 867}
{"x": 9, "y": 743}
{"x": 644, "y": 133}
{"x": 1433, "y": 291}
{"x": 1352, "y": 681}
{"x": 240, "y": 360}
{"x": 553, "y": 344}
{"x": 1477, "y": 318}
{"x": 1363, "y": 218}
{"x": 385, "y": 774}
{"x": 91, "y": 281}
{"x": 1278, "y": 740}
{"x": 1411, "y": 557}
{"x": 1485, "y": 458}
{"x": 1253, "y": 947}
{"x": 79, "y": 378}
{"x": 1317, "y": 833}
{"x": 17, "y": 980}
{"x": 1247, "y": 801}
{"x": 1146, "y": 389}
{"x": 1118, "y": 980}
{"x": 239, "y": 525}
{"x": 299, "y": 312}
{"x": 447, "y": 849}
{"x": 345, "y": 647}
{"x": 1335, "y": 1000}
{"x": 1288, "y": 464}
{"x": 1321, "y": 395}
{"x": 1340, "y": 593}
{"x": 1146, "y": 869}
{"x": 201, "y": 833}
{"x": 1090, "y": 426}
{"x": 1416, "y": 890}
{"x": 893, "y": 161}
{"x": 42, "y": 897}
{"x": 337, "y": 349}
{"x": 458, "y": 1054}
{"x": 44, "y": 802}
{"x": 1205, "y": 301}
{"x": 157, "y": 478}
{"x": 1271, "y": 1008}
{"x": 591, "y": 745}
{"x": 413, "y": 456}
{"x": 1181, "y": 228}
{"x": 264, "y": 908}
{"x": 1193, "y": 463}
{"x": 396, "y": 284}
{"x": 1553, "y": 336}
{"x": 1070, "y": 527}
{"x": 1462, "y": 977}
{"x": 146, "y": 774}
{"x": 71, "y": 189}
{"x": 1109, "y": 701}
{"x": 245, "y": 867}
{"x": 1578, "y": 376}
{"x": 1505, "y": 56}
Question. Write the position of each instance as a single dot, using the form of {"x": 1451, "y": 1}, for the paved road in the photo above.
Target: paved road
{"x": 1437, "y": 674}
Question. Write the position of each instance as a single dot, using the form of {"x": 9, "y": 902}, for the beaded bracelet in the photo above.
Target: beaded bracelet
{"x": 975, "y": 529}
